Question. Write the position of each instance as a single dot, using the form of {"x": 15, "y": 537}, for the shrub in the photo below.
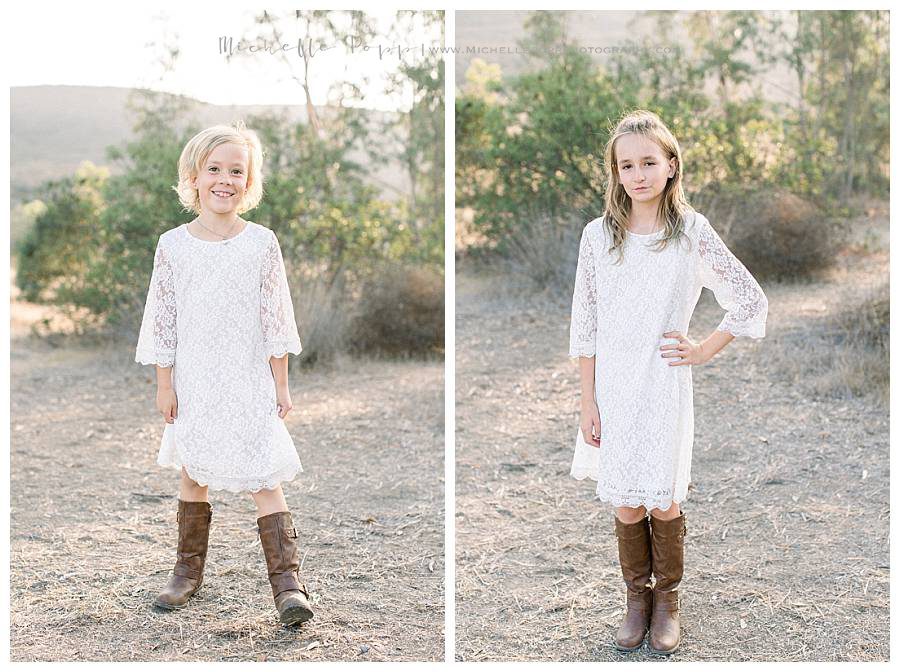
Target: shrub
{"x": 400, "y": 312}
{"x": 543, "y": 249}
{"x": 864, "y": 329}
{"x": 842, "y": 354}
{"x": 776, "y": 234}
{"x": 321, "y": 309}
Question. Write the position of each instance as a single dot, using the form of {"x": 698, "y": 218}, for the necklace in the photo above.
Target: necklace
{"x": 234, "y": 224}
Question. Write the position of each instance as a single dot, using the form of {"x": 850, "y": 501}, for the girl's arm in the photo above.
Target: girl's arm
{"x": 715, "y": 342}
{"x": 280, "y": 370}
{"x": 735, "y": 290}
{"x": 163, "y": 377}
{"x": 583, "y": 338}
{"x": 276, "y": 316}
{"x": 586, "y": 373}
{"x": 589, "y": 415}
{"x": 166, "y": 399}
{"x": 583, "y": 326}
{"x": 158, "y": 335}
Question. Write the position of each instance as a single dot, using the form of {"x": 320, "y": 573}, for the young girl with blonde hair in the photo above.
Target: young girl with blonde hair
{"x": 218, "y": 323}
{"x": 641, "y": 268}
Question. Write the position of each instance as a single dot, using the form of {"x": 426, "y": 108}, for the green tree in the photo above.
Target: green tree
{"x": 534, "y": 143}
{"x": 415, "y": 137}
{"x": 318, "y": 29}
{"x": 530, "y": 147}
{"x": 848, "y": 91}
{"x": 55, "y": 253}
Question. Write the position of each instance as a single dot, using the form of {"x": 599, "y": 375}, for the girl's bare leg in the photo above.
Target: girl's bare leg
{"x": 269, "y": 501}
{"x": 673, "y": 512}
{"x": 190, "y": 491}
{"x": 630, "y": 515}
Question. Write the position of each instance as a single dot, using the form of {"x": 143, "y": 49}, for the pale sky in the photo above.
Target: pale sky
{"x": 119, "y": 45}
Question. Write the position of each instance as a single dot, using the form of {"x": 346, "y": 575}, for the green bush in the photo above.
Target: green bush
{"x": 92, "y": 243}
{"x": 56, "y": 251}
{"x": 534, "y": 142}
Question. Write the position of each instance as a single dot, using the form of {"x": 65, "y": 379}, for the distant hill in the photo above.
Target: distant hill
{"x": 54, "y": 128}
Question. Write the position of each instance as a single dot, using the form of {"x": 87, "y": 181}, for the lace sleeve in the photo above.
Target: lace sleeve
{"x": 583, "y": 328}
{"x": 276, "y": 312}
{"x": 158, "y": 334}
{"x": 735, "y": 289}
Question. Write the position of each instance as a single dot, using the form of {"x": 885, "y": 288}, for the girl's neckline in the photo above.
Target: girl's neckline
{"x": 645, "y": 235}
{"x": 216, "y": 242}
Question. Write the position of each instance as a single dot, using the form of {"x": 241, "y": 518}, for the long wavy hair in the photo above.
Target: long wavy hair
{"x": 673, "y": 205}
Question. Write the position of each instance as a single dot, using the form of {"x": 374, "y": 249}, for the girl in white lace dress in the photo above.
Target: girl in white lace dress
{"x": 218, "y": 323}
{"x": 641, "y": 268}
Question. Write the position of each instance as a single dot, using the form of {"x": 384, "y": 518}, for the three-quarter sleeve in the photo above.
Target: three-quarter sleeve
{"x": 583, "y": 327}
{"x": 276, "y": 313}
{"x": 735, "y": 289}
{"x": 158, "y": 335}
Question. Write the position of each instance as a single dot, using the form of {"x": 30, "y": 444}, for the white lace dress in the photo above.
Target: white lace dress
{"x": 218, "y": 310}
{"x": 619, "y": 316}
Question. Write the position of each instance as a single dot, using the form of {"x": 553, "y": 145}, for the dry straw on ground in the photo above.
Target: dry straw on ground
{"x": 93, "y": 518}
{"x": 787, "y": 553}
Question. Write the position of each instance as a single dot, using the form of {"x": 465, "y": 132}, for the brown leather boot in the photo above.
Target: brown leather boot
{"x": 279, "y": 541}
{"x": 634, "y": 557}
{"x": 667, "y": 545}
{"x": 193, "y": 540}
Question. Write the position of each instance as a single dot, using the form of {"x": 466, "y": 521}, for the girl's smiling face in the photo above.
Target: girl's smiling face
{"x": 222, "y": 180}
{"x": 642, "y": 168}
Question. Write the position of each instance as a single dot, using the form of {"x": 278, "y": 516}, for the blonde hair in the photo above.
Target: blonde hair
{"x": 198, "y": 149}
{"x": 672, "y": 206}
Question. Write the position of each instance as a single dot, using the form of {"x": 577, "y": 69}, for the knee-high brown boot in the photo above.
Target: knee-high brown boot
{"x": 193, "y": 540}
{"x": 667, "y": 548}
{"x": 634, "y": 557}
{"x": 279, "y": 541}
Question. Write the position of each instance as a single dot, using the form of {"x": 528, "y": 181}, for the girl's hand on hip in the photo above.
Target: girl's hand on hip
{"x": 686, "y": 351}
{"x": 590, "y": 423}
{"x": 167, "y": 404}
{"x": 283, "y": 400}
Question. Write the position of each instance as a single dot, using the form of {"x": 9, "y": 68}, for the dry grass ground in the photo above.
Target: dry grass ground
{"x": 93, "y": 526}
{"x": 787, "y": 549}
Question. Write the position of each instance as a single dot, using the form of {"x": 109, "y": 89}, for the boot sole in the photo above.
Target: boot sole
{"x": 659, "y": 652}
{"x": 628, "y": 649}
{"x": 295, "y": 615}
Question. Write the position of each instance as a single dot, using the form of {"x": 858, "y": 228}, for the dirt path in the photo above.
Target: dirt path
{"x": 93, "y": 518}
{"x": 787, "y": 549}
